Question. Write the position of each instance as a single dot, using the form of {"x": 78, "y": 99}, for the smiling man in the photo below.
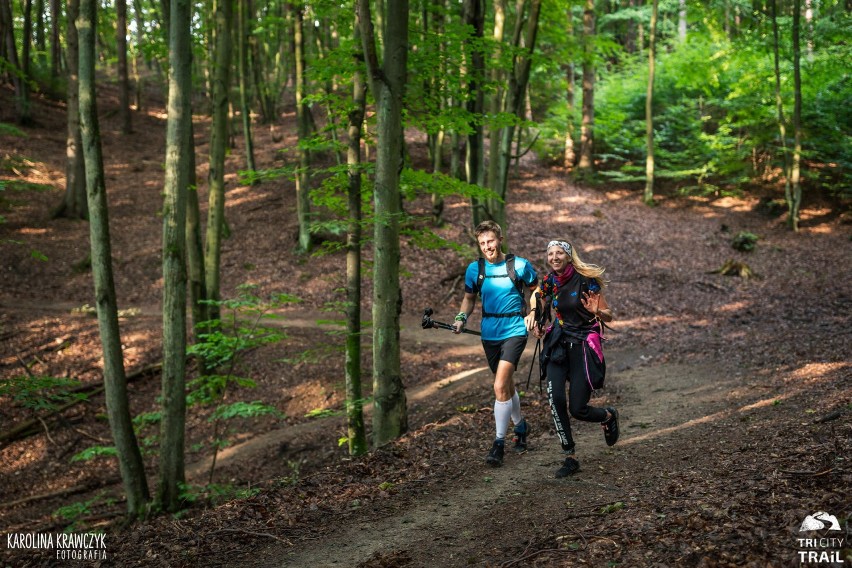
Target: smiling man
{"x": 500, "y": 280}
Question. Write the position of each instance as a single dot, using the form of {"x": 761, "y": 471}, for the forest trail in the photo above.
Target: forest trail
{"x": 660, "y": 402}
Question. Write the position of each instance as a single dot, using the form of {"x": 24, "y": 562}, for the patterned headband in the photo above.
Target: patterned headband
{"x": 561, "y": 244}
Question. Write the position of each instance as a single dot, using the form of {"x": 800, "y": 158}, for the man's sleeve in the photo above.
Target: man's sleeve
{"x": 529, "y": 276}
{"x": 470, "y": 276}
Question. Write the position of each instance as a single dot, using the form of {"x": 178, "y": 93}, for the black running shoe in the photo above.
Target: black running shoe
{"x": 495, "y": 456}
{"x": 610, "y": 427}
{"x": 570, "y": 466}
{"x": 522, "y": 430}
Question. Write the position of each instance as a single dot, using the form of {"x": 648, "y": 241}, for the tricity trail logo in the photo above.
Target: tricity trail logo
{"x": 817, "y": 522}
{"x": 821, "y": 547}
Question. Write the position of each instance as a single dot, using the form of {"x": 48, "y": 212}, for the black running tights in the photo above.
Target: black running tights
{"x": 572, "y": 374}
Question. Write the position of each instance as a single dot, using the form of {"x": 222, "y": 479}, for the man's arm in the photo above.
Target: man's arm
{"x": 467, "y": 305}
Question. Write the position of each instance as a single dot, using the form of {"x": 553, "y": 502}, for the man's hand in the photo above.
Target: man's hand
{"x": 458, "y": 326}
{"x": 529, "y": 321}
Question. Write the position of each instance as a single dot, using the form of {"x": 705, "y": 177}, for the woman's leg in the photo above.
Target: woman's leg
{"x": 581, "y": 391}
{"x": 557, "y": 376}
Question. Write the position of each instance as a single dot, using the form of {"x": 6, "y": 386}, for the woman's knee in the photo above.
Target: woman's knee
{"x": 580, "y": 411}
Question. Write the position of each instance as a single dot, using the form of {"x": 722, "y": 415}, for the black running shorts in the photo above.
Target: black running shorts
{"x": 504, "y": 350}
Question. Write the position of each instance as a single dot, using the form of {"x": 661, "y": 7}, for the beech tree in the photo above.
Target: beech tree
{"x": 178, "y": 128}
{"x": 648, "y": 198}
{"x": 587, "y": 131}
{"x": 115, "y": 381}
{"x": 390, "y": 415}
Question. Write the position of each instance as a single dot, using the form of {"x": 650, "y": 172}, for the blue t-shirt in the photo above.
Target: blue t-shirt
{"x": 499, "y": 296}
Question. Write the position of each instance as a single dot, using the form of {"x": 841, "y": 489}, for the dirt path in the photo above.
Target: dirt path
{"x": 467, "y": 522}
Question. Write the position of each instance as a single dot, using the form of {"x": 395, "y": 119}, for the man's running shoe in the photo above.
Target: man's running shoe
{"x": 495, "y": 456}
{"x": 522, "y": 430}
{"x": 570, "y": 466}
{"x": 610, "y": 427}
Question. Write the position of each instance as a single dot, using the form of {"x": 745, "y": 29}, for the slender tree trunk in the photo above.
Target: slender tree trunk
{"x": 173, "y": 425}
{"x": 195, "y": 245}
{"x": 73, "y": 204}
{"x": 495, "y": 101}
{"x": 138, "y": 82}
{"x": 390, "y": 415}
{"x": 115, "y": 381}
{"x": 218, "y": 142}
{"x": 474, "y": 16}
{"x": 681, "y": 20}
{"x": 55, "y": 45}
{"x": 355, "y": 431}
{"x": 26, "y": 40}
{"x": 303, "y": 202}
{"x": 123, "y": 79}
{"x": 779, "y": 105}
{"x": 515, "y": 98}
{"x": 438, "y": 84}
{"x": 587, "y": 130}
{"x": 22, "y": 97}
{"x": 41, "y": 39}
{"x": 796, "y": 201}
{"x": 648, "y": 198}
{"x": 570, "y": 154}
{"x": 245, "y": 111}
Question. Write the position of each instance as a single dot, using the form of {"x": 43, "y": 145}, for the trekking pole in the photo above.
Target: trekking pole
{"x": 532, "y": 364}
{"x": 428, "y": 322}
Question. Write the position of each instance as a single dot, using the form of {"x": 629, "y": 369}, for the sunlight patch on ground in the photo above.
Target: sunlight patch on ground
{"x": 815, "y": 371}
{"x": 531, "y": 208}
{"x": 32, "y": 231}
{"x": 430, "y": 390}
{"x": 614, "y": 195}
{"x": 706, "y": 419}
{"x": 733, "y": 307}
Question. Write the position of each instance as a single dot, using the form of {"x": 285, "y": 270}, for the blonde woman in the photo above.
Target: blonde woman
{"x": 571, "y": 352}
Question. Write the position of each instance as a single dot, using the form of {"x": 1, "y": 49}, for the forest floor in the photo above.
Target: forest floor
{"x": 735, "y": 394}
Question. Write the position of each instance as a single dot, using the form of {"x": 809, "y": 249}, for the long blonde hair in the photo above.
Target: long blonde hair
{"x": 588, "y": 270}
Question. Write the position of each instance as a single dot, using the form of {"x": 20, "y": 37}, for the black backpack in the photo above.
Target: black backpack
{"x": 513, "y": 276}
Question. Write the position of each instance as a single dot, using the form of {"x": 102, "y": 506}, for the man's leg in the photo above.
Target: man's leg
{"x": 504, "y": 388}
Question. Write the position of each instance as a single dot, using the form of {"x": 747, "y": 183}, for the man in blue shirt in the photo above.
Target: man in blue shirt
{"x": 500, "y": 279}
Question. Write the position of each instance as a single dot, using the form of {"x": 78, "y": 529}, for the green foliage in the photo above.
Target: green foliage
{"x": 744, "y": 241}
{"x": 244, "y": 410}
{"x": 214, "y": 494}
{"x": 323, "y": 413}
{"x": 7, "y": 129}
{"x": 40, "y": 392}
{"x": 73, "y": 513}
{"x": 95, "y": 452}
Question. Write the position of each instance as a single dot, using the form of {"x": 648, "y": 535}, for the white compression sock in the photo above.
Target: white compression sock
{"x": 516, "y": 409}
{"x": 502, "y": 414}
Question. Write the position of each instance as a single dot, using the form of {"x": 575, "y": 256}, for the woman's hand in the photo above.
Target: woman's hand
{"x": 592, "y": 301}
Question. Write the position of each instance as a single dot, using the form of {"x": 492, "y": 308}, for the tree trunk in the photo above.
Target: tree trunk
{"x": 495, "y": 101}
{"x": 795, "y": 203}
{"x": 218, "y": 142}
{"x": 73, "y": 204}
{"x": 648, "y": 198}
{"x": 681, "y": 21}
{"x": 355, "y": 432}
{"x": 123, "y": 80}
{"x": 439, "y": 84}
{"x": 515, "y": 98}
{"x": 55, "y": 45}
{"x": 115, "y": 381}
{"x": 195, "y": 245}
{"x": 779, "y": 105}
{"x": 41, "y": 40}
{"x": 245, "y": 111}
{"x": 390, "y": 416}
{"x": 173, "y": 425}
{"x": 303, "y": 202}
{"x": 474, "y": 16}
{"x": 570, "y": 154}
{"x": 587, "y": 130}
{"x": 19, "y": 80}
